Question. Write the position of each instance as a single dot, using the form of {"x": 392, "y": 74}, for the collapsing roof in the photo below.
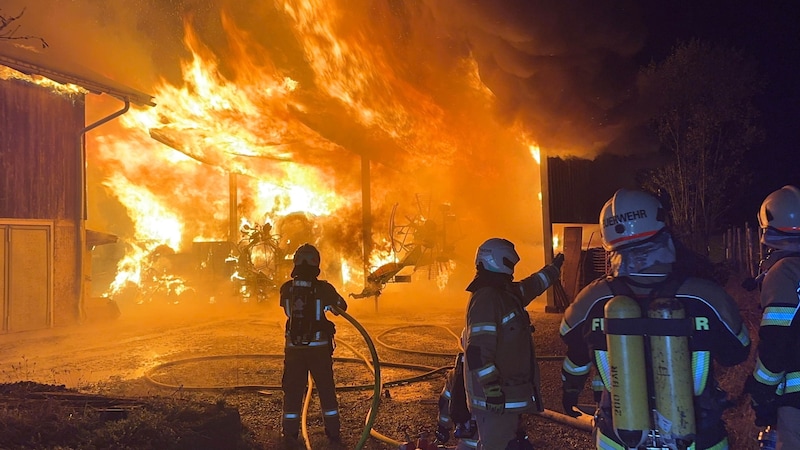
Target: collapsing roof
{"x": 55, "y": 68}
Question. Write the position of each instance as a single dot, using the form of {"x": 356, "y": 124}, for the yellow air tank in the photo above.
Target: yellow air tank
{"x": 672, "y": 377}
{"x": 628, "y": 374}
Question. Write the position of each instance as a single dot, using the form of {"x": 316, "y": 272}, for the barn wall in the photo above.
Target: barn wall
{"x": 66, "y": 291}
{"x": 40, "y": 158}
{"x": 40, "y": 151}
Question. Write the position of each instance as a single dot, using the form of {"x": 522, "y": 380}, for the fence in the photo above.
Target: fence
{"x": 742, "y": 249}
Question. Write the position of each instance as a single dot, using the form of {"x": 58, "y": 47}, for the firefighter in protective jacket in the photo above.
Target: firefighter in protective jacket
{"x": 774, "y": 386}
{"x": 501, "y": 372}
{"x": 651, "y": 332}
{"x": 309, "y": 342}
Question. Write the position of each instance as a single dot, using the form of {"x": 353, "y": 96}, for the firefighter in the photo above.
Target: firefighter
{"x": 500, "y": 371}
{"x": 309, "y": 343}
{"x": 651, "y": 395}
{"x": 774, "y": 385}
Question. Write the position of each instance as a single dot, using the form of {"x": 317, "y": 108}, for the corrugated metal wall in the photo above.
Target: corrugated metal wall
{"x": 39, "y": 152}
{"x": 580, "y": 187}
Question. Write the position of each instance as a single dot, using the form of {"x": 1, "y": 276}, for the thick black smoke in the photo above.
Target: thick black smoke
{"x": 563, "y": 69}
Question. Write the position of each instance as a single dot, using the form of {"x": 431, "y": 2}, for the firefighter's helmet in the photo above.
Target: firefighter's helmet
{"x": 779, "y": 218}
{"x": 306, "y": 254}
{"x": 497, "y": 255}
{"x": 630, "y": 217}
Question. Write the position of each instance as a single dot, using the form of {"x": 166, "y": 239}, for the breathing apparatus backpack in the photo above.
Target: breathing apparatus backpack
{"x": 458, "y": 410}
{"x": 651, "y": 371}
{"x": 306, "y": 315}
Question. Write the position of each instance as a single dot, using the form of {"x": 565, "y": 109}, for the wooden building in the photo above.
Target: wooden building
{"x": 44, "y": 244}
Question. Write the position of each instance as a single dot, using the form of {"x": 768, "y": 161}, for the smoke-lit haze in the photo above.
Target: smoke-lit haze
{"x": 445, "y": 97}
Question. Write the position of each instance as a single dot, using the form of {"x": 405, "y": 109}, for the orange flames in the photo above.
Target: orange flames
{"x": 290, "y": 145}
{"x": 218, "y": 126}
{"x": 7, "y": 73}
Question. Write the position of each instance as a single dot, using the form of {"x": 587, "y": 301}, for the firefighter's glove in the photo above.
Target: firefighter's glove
{"x": 763, "y": 401}
{"x": 766, "y": 415}
{"x": 495, "y": 398}
{"x": 333, "y": 310}
{"x": 442, "y": 434}
{"x": 569, "y": 399}
{"x": 558, "y": 261}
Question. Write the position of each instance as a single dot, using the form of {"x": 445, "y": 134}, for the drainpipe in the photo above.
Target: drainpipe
{"x": 80, "y": 222}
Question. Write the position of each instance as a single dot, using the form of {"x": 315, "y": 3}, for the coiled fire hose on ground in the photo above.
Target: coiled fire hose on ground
{"x": 582, "y": 423}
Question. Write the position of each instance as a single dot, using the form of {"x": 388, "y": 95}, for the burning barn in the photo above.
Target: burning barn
{"x": 308, "y": 129}
{"x": 45, "y": 246}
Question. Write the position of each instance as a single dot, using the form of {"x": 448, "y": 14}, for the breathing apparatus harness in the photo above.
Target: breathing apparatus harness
{"x": 638, "y": 316}
{"x": 307, "y": 323}
{"x": 646, "y": 326}
{"x": 752, "y": 283}
{"x": 465, "y": 427}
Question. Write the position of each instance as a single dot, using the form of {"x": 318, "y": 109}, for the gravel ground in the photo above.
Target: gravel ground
{"x": 230, "y": 353}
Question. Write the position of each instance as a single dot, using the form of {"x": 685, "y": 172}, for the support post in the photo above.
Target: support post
{"x": 366, "y": 218}
{"x": 547, "y": 227}
{"x": 233, "y": 214}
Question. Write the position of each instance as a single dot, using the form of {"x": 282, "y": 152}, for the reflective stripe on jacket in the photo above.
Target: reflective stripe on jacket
{"x": 499, "y": 347}
{"x": 778, "y": 358}
{"x": 718, "y": 335}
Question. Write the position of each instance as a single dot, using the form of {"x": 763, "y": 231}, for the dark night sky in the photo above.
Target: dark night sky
{"x": 767, "y": 30}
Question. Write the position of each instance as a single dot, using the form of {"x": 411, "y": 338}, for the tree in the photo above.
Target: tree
{"x": 8, "y": 29}
{"x": 705, "y": 119}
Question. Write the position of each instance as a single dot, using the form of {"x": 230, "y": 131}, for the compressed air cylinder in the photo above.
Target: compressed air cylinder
{"x": 626, "y": 357}
{"x": 672, "y": 376}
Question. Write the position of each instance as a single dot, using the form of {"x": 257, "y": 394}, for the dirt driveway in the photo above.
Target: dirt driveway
{"x": 233, "y": 351}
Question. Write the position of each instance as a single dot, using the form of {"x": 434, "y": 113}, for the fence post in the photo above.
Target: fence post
{"x": 728, "y": 254}
{"x": 749, "y": 248}
{"x": 740, "y": 250}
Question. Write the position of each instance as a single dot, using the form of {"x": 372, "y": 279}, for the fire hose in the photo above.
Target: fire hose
{"x": 450, "y": 355}
{"x": 582, "y": 423}
{"x": 376, "y": 370}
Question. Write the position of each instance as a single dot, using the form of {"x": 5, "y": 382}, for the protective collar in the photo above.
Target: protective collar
{"x": 485, "y": 278}
{"x": 305, "y": 272}
{"x": 782, "y": 241}
{"x": 635, "y": 261}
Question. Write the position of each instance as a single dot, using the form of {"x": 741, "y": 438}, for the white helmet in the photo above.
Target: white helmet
{"x": 779, "y": 218}
{"x": 497, "y": 255}
{"x": 630, "y": 217}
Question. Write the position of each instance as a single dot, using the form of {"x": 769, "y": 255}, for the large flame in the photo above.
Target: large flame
{"x": 291, "y": 147}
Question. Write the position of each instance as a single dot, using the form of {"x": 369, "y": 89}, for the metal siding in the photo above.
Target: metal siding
{"x": 580, "y": 187}
{"x": 572, "y": 195}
